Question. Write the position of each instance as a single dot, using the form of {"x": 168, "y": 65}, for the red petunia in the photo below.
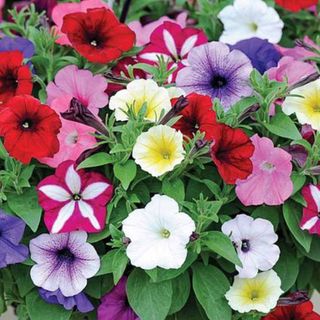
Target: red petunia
{"x": 302, "y": 311}
{"x": 29, "y": 129}
{"x": 296, "y": 5}
{"x": 231, "y": 151}
{"x": 197, "y": 115}
{"x": 15, "y": 78}
{"x": 98, "y": 35}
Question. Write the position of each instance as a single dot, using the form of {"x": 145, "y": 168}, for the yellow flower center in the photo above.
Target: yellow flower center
{"x": 254, "y": 295}
{"x": 166, "y": 155}
{"x": 312, "y": 103}
{"x": 253, "y": 26}
{"x": 165, "y": 233}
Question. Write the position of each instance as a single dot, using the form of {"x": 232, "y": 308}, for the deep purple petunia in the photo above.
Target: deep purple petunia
{"x": 262, "y": 54}
{"x": 80, "y": 300}
{"x": 216, "y": 71}
{"x": 17, "y": 44}
{"x": 11, "y": 233}
{"x": 114, "y": 305}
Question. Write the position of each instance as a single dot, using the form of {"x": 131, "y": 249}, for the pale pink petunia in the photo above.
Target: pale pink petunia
{"x": 70, "y": 82}
{"x": 62, "y": 9}
{"x": 143, "y": 32}
{"x": 74, "y": 199}
{"x": 311, "y": 218}
{"x": 2, "y": 3}
{"x": 270, "y": 181}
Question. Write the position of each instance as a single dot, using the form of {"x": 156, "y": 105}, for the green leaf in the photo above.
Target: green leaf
{"x": 298, "y": 181}
{"x": 269, "y": 213}
{"x": 210, "y": 286}
{"x": 26, "y": 207}
{"x": 287, "y": 268}
{"x": 3, "y": 306}
{"x": 222, "y": 245}
{"x": 38, "y": 309}
{"x": 96, "y": 160}
{"x": 181, "y": 291}
{"x": 292, "y": 215}
{"x": 21, "y": 273}
{"x": 125, "y": 172}
{"x": 150, "y": 301}
{"x": 174, "y": 189}
{"x": 282, "y": 126}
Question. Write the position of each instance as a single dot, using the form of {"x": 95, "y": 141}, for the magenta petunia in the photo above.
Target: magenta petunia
{"x": 74, "y": 199}
{"x": 174, "y": 43}
{"x": 271, "y": 173}
{"x": 311, "y": 219}
{"x": 70, "y": 82}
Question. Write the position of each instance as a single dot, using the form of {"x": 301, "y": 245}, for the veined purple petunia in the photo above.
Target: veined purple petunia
{"x": 63, "y": 261}
{"x": 11, "y": 233}
{"x": 216, "y": 71}
{"x": 74, "y": 199}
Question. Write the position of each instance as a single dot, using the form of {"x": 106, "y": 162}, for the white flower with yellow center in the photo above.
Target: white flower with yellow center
{"x": 159, "y": 150}
{"x": 137, "y": 94}
{"x": 260, "y": 293}
{"x": 159, "y": 234}
{"x": 305, "y": 103}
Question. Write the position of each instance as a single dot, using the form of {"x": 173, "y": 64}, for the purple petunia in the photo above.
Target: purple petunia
{"x": 216, "y": 71}
{"x": 11, "y": 233}
{"x": 17, "y": 43}
{"x": 262, "y": 54}
{"x": 114, "y": 305}
{"x": 63, "y": 261}
{"x": 80, "y": 300}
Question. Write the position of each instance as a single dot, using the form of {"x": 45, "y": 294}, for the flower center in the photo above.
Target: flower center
{"x": 218, "y": 82}
{"x": 76, "y": 197}
{"x": 268, "y": 166}
{"x": 94, "y": 43}
{"x": 316, "y": 108}
{"x": 65, "y": 255}
{"x": 253, "y": 26}
{"x": 166, "y": 155}
{"x": 245, "y": 246}
{"x": 254, "y": 295}
{"x": 26, "y": 124}
{"x": 165, "y": 233}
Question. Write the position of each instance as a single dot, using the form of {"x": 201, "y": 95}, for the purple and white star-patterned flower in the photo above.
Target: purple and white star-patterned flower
{"x": 217, "y": 72}
{"x": 63, "y": 261}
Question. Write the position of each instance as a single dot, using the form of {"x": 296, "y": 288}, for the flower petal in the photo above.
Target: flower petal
{"x": 87, "y": 212}
{"x": 73, "y": 180}
{"x": 94, "y": 190}
{"x": 55, "y": 192}
{"x": 63, "y": 216}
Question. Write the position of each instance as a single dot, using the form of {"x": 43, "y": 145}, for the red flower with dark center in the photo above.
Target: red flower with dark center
{"x": 197, "y": 115}
{"x": 296, "y": 5}
{"x": 302, "y": 311}
{"x": 29, "y": 129}
{"x": 15, "y": 78}
{"x": 98, "y": 35}
{"x": 231, "y": 151}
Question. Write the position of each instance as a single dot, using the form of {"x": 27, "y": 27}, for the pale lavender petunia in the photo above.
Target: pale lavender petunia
{"x": 216, "y": 71}
{"x": 63, "y": 261}
{"x": 11, "y": 233}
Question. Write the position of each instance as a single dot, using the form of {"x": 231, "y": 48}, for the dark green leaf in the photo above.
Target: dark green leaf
{"x": 174, "y": 189}
{"x": 269, "y": 213}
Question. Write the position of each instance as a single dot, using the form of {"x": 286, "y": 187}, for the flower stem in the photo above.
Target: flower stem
{"x": 125, "y": 11}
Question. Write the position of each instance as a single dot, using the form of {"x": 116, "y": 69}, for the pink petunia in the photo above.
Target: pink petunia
{"x": 74, "y": 199}
{"x": 70, "y": 82}
{"x": 270, "y": 181}
{"x": 310, "y": 219}
{"x": 174, "y": 44}
{"x": 143, "y": 32}
{"x": 62, "y": 9}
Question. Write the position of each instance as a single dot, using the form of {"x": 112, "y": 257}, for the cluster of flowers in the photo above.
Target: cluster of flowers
{"x": 134, "y": 155}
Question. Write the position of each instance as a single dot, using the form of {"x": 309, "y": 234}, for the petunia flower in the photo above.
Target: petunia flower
{"x": 11, "y": 233}
{"x": 15, "y": 78}
{"x": 74, "y": 199}
{"x": 70, "y": 82}
{"x": 217, "y": 72}
{"x": 62, "y": 9}
{"x": 158, "y": 234}
{"x": 143, "y": 32}
{"x": 159, "y": 150}
{"x": 271, "y": 172}
{"x": 296, "y": 5}
{"x": 253, "y": 238}
{"x": 98, "y": 35}
{"x": 262, "y": 54}
{"x": 63, "y": 261}
{"x": 197, "y": 115}
{"x": 231, "y": 151}
{"x": 258, "y": 294}
{"x": 174, "y": 44}
{"x": 114, "y": 304}
{"x": 305, "y": 103}
{"x": 311, "y": 219}
{"x": 141, "y": 93}
{"x": 29, "y": 129}
{"x": 80, "y": 300}
{"x": 245, "y": 19}
{"x": 23, "y": 45}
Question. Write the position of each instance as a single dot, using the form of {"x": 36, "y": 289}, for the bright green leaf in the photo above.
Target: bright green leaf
{"x": 125, "y": 172}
